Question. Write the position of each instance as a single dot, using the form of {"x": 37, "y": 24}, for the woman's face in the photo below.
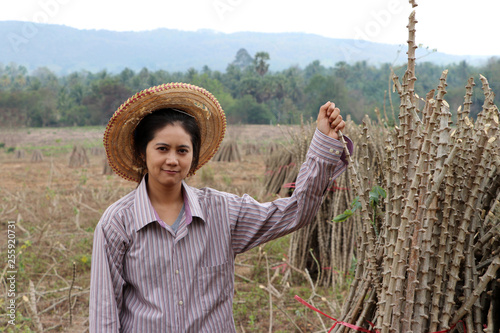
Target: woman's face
{"x": 169, "y": 156}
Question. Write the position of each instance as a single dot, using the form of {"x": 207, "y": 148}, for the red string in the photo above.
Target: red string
{"x": 453, "y": 326}
{"x": 283, "y": 267}
{"x": 357, "y": 328}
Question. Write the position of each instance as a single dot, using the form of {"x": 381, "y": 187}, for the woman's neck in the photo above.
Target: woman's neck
{"x": 167, "y": 202}
{"x": 164, "y": 196}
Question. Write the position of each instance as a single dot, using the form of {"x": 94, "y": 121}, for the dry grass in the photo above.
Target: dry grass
{"x": 56, "y": 209}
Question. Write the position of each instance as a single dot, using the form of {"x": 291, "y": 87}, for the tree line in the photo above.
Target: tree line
{"x": 249, "y": 91}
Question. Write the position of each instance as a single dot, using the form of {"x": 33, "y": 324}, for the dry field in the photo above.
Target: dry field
{"x": 55, "y": 209}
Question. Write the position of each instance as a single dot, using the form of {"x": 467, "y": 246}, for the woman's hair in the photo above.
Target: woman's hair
{"x": 155, "y": 121}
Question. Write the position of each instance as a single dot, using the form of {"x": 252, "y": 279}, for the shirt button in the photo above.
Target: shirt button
{"x": 181, "y": 302}
{"x": 331, "y": 150}
{"x": 177, "y": 271}
{"x": 337, "y": 152}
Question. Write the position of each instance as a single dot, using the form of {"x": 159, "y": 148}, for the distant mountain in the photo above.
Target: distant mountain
{"x": 63, "y": 49}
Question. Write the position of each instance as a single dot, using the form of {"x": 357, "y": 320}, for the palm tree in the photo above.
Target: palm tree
{"x": 260, "y": 63}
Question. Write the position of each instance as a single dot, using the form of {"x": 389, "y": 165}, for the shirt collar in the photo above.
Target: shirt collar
{"x": 145, "y": 214}
{"x": 192, "y": 203}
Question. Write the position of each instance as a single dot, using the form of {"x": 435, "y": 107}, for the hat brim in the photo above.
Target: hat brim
{"x": 196, "y": 101}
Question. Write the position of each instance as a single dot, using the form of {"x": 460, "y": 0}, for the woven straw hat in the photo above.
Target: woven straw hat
{"x": 196, "y": 101}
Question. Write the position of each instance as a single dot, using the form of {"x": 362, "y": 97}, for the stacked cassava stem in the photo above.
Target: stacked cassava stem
{"x": 323, "y": 248}
{"x": 435, "y": 257}
{"x": 228, "y": 152}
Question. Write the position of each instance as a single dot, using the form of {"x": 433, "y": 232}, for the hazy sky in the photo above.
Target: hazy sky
{"x": 450, "y": 26}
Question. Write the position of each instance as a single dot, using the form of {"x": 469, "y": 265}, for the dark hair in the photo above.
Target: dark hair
{"x": 155, "y": 121}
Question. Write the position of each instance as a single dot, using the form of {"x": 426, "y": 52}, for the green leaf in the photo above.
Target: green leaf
{"x": 356, "y": 204}
{"x": 375, "y": 195}
{"x": 381, "y": 191}
{"x": 342, "y": 217}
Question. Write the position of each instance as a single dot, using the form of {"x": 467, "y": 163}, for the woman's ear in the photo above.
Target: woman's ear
{"x": 144, "y": 165}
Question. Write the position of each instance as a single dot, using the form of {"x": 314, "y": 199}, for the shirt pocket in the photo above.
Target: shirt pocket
{"x": 215, "y": 283}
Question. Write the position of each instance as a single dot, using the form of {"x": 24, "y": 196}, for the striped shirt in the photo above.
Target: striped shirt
{"x": 147, "y": 278}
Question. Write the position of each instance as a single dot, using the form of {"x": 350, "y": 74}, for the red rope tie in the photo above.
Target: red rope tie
{"x": 357, "y": 328}
{"x": 283, "y": 266}
{"x": 453, "y": 326}
{"x": 361, "y": 329}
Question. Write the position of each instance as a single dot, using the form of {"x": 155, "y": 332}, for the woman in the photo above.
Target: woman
{"x": 163, "y": 256}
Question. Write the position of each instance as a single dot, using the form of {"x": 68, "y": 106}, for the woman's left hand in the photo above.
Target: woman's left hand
{"x": 330, "y": 121}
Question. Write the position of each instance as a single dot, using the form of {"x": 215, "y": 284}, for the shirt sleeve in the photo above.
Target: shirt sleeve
{"x": 254, "y": 223}
{"x": 106, "y": 281}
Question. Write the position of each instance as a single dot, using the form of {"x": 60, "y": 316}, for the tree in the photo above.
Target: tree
{"x": 247, "y": 110}
{"x": 249, "y": 85}
{"x": 287, "y": 112}
{"x": 191, "y": 73}
{"x": 294, "y": 85}
{"x": 314, "y": 68}
{"x": 47, "y": 78}
{"x": 261, "y": 67}
{"x": 341, "y": 70}
{"x": 105, "y": 97}
{"x": 12, "y": 108}
{"x": 41, "y": 106}
{"x": 322, "y": 89}
{"x": 126, "y": 75}
{"x": 231, "y": 79}
{"x": 206, "y": 70}
{"x": 492, "y": 70}
{"x": 215, "y": 87}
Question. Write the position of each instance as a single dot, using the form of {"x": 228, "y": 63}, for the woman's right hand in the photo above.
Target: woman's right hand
{"x": 330, "y": 121}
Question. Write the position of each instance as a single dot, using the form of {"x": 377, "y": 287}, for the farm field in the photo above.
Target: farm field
{"x": 407, "y": 239}
{"x": 56, "y": 207}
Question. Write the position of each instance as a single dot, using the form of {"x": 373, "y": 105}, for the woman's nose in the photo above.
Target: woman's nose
{"x": 171, "y": 159}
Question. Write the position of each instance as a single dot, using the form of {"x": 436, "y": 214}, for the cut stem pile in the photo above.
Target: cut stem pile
{"x": 428, "y": 263}
{"x": 228, "y": 152}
